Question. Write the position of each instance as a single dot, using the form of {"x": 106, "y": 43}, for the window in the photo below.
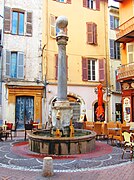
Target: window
{"x": 64, "y": 1}
{"x": 17, "y": 23}
{"x": 15, "y": 65}
{"x": 54, "y": 30}
{"x": 92, "y": 4}
{"x": 92, "y": 69}
{"x": 114, "y": 49}
{"x": 130, "y": 52}
{"x": 114, "y": 22}
{"x": 118, "y": 86}
{"x": 91, "y": 33}
{"x": 14, "y": 22}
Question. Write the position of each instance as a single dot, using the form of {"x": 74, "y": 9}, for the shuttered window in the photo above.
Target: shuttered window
{"x": 15, "y": 64}
{"x": 14, "y": 22}
{"x": 52, "y": 26}
{"x": 92, "y": 4}
{"x": 17, "y": 23}
{"x": 56, "y": 66}
{"x": 114, "y": 22}
{"x": 130, "y": 53}
{"x": 117, "y": 84}
{"x": 29, "y": 24}
{"x": 91, "y": 33}
{"x": 114, "y": 49}
{"x": 101, "y": 69}
{"x": 84, "y": 69}
{"x": 64, "y": 1}
{"x": 54, "y": 30}
{"x": 90, "y": 69}
{"x": 7, "y": 20}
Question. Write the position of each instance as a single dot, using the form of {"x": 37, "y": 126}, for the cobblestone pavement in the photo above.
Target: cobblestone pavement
{"x": 18, "y": 163}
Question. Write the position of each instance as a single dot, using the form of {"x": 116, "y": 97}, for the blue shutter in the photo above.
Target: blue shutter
{"x": 8, "y": 62}
{"x": 111, "y": 49}
{"x": 111, "y": 22}
{"x": 20, "y": 66}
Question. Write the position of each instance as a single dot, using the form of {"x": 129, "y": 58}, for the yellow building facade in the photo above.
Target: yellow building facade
{"x": 87, "y": 54}
{"x": 125, "y": 35}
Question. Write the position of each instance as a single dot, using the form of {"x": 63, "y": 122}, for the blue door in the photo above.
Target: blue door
{"x": 24, "y": 111}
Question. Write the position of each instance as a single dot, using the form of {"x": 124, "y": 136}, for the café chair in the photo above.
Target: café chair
{"x": 98, "y": 129}
{"x": 104, "y": 130}
{"x": 119, "y": 137}
{"x": 8, "y": 130}
{"x": 110, "y": 128}
{"x": 28, "y": 127}
{"x": 128, "y": 144}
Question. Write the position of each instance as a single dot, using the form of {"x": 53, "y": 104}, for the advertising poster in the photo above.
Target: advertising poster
{"x": 126, "y": 108}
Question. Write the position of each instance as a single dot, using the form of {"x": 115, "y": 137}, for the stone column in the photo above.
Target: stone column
{"x": 62, "y": 67}
{"x": 62, "y": 111}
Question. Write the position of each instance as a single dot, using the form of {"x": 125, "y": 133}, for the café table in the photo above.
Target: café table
{"x": 115, "y": 129}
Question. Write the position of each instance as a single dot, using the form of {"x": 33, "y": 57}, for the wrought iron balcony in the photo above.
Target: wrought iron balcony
{"x": 125, "y": 32}
{"x": 126, "y": 71}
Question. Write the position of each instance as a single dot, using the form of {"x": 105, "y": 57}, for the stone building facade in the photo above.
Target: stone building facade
{"x": 22, "y": 87}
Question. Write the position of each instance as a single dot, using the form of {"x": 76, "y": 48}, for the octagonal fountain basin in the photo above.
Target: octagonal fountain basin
{"x": 83, "y": 141}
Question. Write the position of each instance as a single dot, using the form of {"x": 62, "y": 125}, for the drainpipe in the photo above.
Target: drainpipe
{"x": 44, "y": 59}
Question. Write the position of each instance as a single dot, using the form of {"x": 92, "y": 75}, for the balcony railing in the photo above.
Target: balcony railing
{"x": 126, "y": 30}
{"x": 126, "y": 71}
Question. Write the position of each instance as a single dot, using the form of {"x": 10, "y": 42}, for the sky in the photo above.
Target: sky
{"x": 113, "y": 3}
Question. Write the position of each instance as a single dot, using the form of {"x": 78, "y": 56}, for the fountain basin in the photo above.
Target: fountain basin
{"x": 40, "y": 141}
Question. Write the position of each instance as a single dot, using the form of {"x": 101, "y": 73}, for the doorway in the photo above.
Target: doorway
{"x": 118, "y": 110}
{"x": 24, "y": 111}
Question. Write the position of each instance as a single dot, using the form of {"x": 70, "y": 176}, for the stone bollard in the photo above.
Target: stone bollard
{"x": 47, "y": 166}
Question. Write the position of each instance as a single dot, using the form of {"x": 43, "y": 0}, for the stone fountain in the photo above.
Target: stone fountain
{"x": 62, "y": 138}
